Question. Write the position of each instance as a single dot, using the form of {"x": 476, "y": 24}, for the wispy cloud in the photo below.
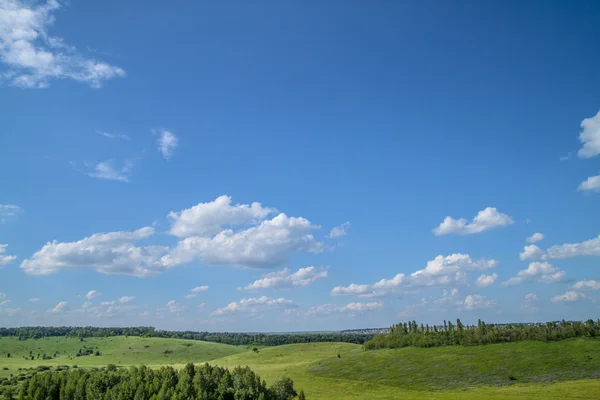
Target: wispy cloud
{"x": 339, "y": 231}
{"x": 113, "y": 135}
{"x": 9, "y": 210}
{"x": 107, "y": 170}
{"x": 33, "y": 58}
{"x": 167, "y": 143}
{"x": 5, "y": 259}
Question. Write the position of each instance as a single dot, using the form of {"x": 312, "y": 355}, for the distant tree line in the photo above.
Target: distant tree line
{"x": 204, "y": 382}
{"x": 410, "y": 334}
{"x": 263, "y": 339}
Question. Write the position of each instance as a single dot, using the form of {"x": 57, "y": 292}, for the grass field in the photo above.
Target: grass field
{"x": 526, "y": 370}
{"x": 118, "y": 350}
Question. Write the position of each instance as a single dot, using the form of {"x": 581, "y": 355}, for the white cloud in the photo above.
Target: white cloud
{"x": 206, "y": 219}
{"x": 592, "y": 183}
{"x": 352, "y": 308}
{"x": 167, "y": 143}
{"x": 255, "y": 305}
{"x": 86, "y": 305}
{"x": 587, "y": 248}
{"x": 339, "y": 231}
{"x": 531, "y": 252}
{"x": 484, "y": 220}
{"x": 92, "y": 294}
{"x": 267, "y": 245}
{"x": 34, "y": 300}
{"x": 570, "y": 295}
{"x": 106, "y": 170}
{"x": 590, "y": 137}
{"x": 199, "y": 289}
{"x": 585, "y": 285}
{"x": 542, "y": 272}
{"x": 33, "y": 58}
{"x": 108, "y": 303}
{"x": 174, "y": 307}
{"x": 2, "y": 295}
{"x": 531, "y": 297}
{"x": 126, "y": 299}
{"x": 109, "y": 253}
{"x": 486, "y": 280}
{"x": 475, "y": 301}
{"x": 536, "y": 237}
{"x": 5, "y": 302}
{"x": 285, "y": 279}
{"x": 190, "y": 296}
{"x": 113, "y": 135}
{"x": 5, "y": 259}
{"x": 9, "y": 210}
{"x": 441, "y": 271}
{"x": 60, "y": 307}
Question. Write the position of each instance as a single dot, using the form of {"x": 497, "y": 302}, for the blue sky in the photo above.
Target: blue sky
{"x": 284, "y": 166}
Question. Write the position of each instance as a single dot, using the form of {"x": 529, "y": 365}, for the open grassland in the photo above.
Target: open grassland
{"x": 118, "y": 350}
{"x": 525, "y": 370}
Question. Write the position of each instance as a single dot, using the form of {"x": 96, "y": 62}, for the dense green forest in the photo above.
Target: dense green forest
{"x": 411, "y": 334}
{"x": 204, "y": 382}
{"x": 264, "y": 339}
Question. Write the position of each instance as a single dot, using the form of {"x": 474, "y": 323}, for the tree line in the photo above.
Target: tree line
{"x": 411, "y": 334}
{"x": 204, "y": 382}
{"x": 263, "y": 339}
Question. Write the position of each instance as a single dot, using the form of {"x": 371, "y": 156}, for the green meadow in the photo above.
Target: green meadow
{"x": 524, "y": 370}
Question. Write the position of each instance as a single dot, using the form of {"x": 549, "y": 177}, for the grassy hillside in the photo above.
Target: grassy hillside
{"x": 412, "y": 373}
{"x": 526, "y": 370}
{"x": 119, "y": 350}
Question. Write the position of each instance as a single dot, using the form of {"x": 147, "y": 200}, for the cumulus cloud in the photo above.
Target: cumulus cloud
{"x": 536, "y": 237}
{"x": 33, "y": 58}
{"x": 592, "y": 183}
{"x": 267, "y": 245}
{"x": 92, "y": 294}
{"x": 542, "y": 272}
{"x": 60, "y": 307}
{"x": 531, "y": 297}
{"x": 167, "y": 143}
{"x": 126, "y": 299}
{"x": 590, "y": 137}
{"x": 206, "y": 219}
{"x": 108, "y": 171}
{"x": 441, "y": 271}
{"x": 286, "y": 279}
{"x": 108, "y": 253}
{"x": 568, "y": 296}
{"x": 587, "y": 285}
{"x": 174, "y": 307}
{"x": 255, "y": 305}
{"x": 475, "y": 301}
{"x": 352, "y": 308}
{"x": 531, "y": 252}
{"x": 485, "y": 220}
{"x": 199, "y": 289}
{"x": 9, "y": 210}
{"x": 339, "y": 231}
{"x": 587, "y": 248}
{"x": 5, "y": 258}
{"x": 486, "y": 280}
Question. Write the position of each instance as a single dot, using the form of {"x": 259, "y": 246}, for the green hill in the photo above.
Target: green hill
{"x": 119, "y": 350}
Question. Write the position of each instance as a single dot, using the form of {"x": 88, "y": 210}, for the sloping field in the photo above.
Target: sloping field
{"x": 520, "y": 370}
{"x": 119, "y": 350}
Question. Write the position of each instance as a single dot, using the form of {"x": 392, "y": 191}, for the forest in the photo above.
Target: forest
{"x": 203, "y": 382}
{"x": 262, "y": 339}
{"x": 411, "y": 334}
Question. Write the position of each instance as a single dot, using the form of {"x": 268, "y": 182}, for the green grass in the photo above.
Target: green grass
{"x": 542, "y": 370}
{"x": 118, "y": 350}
